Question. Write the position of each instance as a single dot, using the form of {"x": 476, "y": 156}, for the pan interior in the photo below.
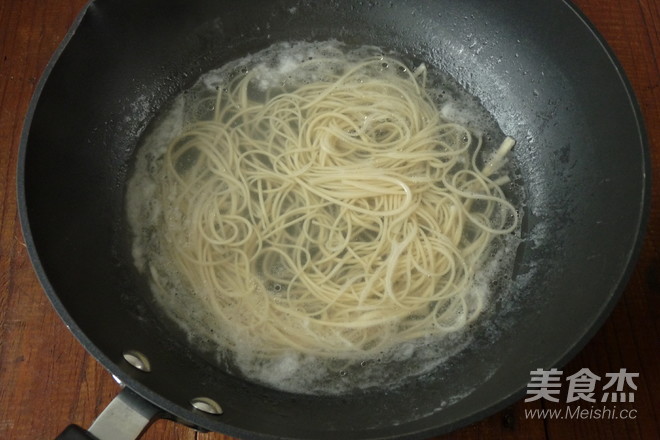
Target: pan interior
{"x": 303, "y": 372}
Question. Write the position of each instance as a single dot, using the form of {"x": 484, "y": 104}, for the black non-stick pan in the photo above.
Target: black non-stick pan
{"x": 537, "y": 66}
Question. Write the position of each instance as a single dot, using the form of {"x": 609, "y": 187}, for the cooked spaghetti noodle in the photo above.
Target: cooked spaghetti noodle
{"x": 336, "y": 216}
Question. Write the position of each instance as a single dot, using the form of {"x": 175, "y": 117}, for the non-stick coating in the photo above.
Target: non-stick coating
{"x": 536, "y": 66}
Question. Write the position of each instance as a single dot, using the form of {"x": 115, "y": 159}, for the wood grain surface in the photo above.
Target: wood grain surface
{"x": 47, "y": 380}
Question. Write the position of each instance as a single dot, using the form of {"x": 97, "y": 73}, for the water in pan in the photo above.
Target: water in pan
{"x": 294, "y": 371}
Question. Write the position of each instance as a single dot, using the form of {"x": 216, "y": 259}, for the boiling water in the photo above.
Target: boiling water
{"x": 280, "y": 67}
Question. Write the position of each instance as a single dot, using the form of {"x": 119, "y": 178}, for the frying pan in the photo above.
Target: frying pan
{"x": 538, "y": 67}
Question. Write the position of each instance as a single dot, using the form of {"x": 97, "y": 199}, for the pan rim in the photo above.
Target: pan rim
{"x": 200, "y": 420}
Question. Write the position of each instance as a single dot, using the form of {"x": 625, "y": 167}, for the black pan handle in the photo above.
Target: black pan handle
{"x": 125, "y": 418}
{"x": 75, "y": 432}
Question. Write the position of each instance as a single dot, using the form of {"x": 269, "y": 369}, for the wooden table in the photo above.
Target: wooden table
{"x": 47, "y": 380}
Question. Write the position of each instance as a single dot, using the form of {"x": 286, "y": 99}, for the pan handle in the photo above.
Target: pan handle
{"x": 125, "y": 418}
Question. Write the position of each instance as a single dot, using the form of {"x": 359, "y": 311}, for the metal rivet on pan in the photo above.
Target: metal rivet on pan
{"x": 206, "y": 404}
{"x": 137, "y": 360}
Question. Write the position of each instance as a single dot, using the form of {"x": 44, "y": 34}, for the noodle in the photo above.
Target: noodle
{"x": 336, "y": 217}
